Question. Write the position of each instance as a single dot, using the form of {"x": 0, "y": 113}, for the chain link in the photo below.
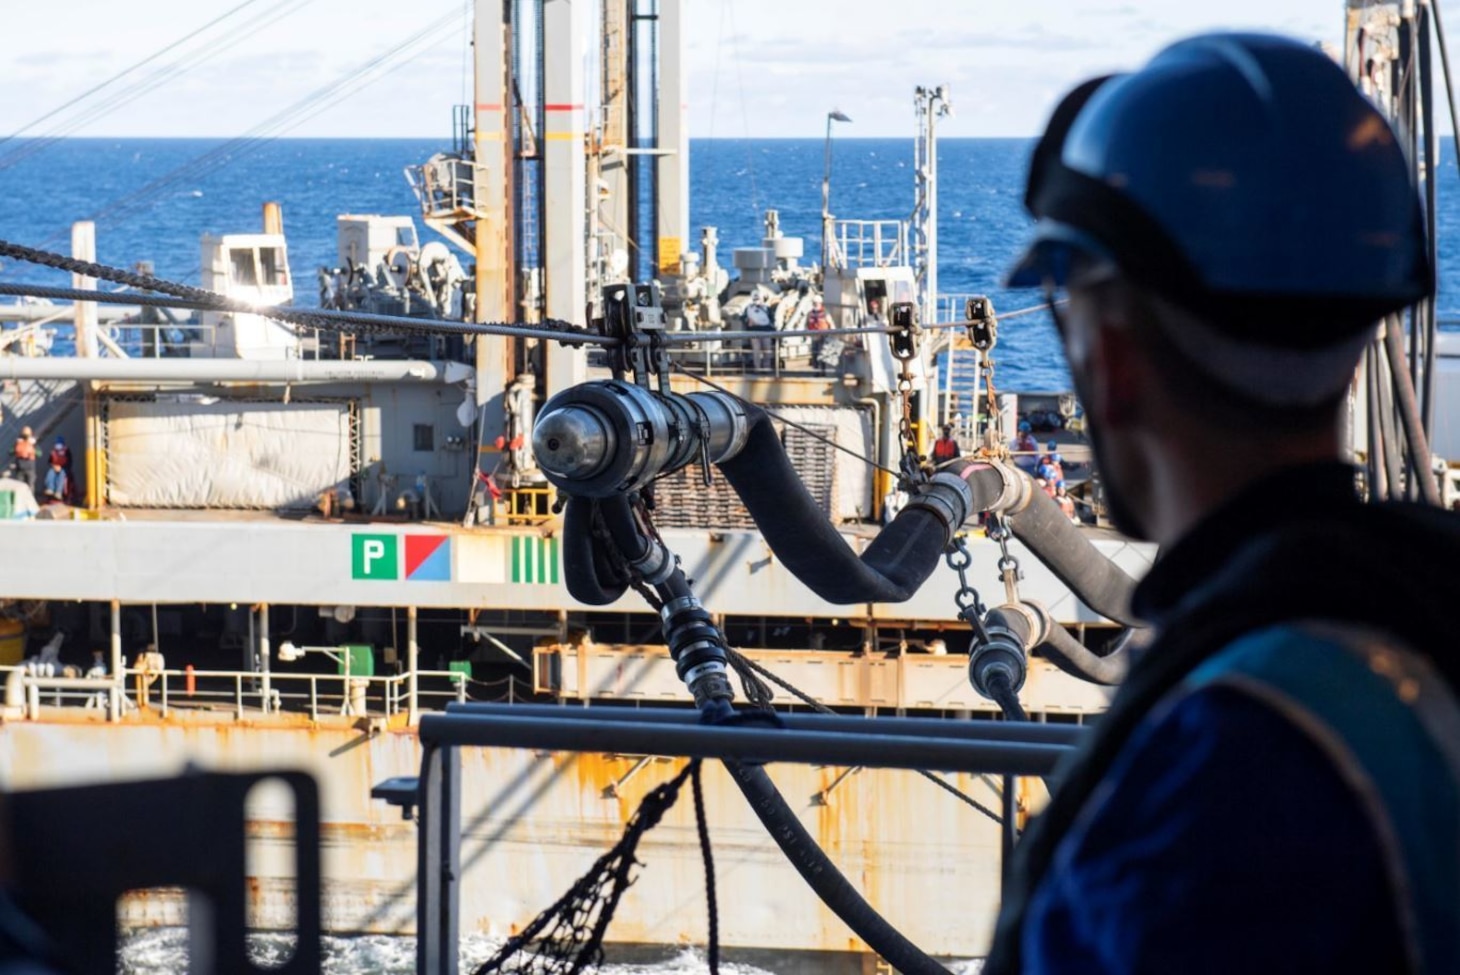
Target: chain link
{"x": 911, "y": 462}
{"x": 1008, "y": 564}
{"x": 903, "y": 343}
{"x": 970, "y": 605}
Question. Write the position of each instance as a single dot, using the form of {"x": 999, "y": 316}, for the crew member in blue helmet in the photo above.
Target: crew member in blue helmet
{"x": 1276, "y": 786}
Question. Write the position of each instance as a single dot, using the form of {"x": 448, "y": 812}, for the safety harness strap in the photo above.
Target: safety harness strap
{"x": 1391, "y": 727}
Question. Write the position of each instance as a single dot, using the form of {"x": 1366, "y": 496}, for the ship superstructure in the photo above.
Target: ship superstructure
{"x": 290, "y": 541}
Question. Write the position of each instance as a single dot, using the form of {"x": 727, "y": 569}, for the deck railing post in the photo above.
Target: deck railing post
{"x": 413, "y": 650}
{"x": 265, "y": 684}
{"x": 119, "y": 687}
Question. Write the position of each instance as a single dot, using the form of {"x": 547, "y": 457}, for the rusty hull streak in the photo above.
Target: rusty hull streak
{"x": 534, "y": 823}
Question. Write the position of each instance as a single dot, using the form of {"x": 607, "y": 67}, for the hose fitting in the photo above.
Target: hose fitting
{"x": 1004, "y": 651}
{"x": 948, "y": 497}
{"x": 696, "y": 646}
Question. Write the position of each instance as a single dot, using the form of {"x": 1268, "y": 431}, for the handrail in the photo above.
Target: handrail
{"x": 244, "y": 690}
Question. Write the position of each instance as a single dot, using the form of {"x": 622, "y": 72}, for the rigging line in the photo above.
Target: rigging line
{"x": 790, "y": 333}
{"x": 744, "y": 111}
{"x": 1004, "y": 316}
{"x": 150, "y": 83}
{"x": 466, "y": 39}
{"x": 715, "y": 78}
{"x": 314, "y": 103}
{"x": 1449, "y": 83}
{"x": 321, "y": 318}
{"x": 789, "y": 422}
{"x": 126, "y": 71}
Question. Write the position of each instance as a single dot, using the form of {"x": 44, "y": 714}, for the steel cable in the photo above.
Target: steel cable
{"x": 266, "y": 131}
{"x": 119, "y": 75}
{"x": 142, "y": 86}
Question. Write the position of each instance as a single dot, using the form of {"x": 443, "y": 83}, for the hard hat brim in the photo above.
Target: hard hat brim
{"x": 1049, "y": 255}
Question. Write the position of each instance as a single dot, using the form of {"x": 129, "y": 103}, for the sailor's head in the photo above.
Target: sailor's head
{"x": 27, "y": 433}
{"x": 60, "y": 442}
{"x": 816, "y": 301}
{"x": 947, "y": 429}
{"x": 1213, "y": 282}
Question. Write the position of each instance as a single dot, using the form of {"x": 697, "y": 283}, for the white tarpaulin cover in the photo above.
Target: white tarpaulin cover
{"x": 221, "y": 454}
{"x": 16, "y": 499}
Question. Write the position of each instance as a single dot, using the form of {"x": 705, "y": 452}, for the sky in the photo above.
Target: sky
{"x": 757, "y": 68}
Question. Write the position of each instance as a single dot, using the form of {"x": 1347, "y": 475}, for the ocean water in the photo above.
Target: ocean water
{"x": 732, "y": 183}
{"x": 163, "y": 952}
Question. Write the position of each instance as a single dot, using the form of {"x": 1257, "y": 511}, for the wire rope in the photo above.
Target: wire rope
{"x": 124, "y": 72}
{"x": 317, "y": 101}
{"x": 166, "y": 73}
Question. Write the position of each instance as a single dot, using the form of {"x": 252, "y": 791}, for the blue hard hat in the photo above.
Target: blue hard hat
{"x": 1024, "y": 426}
{"x": 1052, "y": 446}
{"x": 1240, "y": 176}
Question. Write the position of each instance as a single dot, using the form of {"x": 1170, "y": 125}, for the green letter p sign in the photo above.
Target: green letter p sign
{"x": 373, "y": 557}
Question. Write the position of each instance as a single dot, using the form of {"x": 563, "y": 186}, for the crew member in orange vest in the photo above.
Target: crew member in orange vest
{"x": 946, "y": 448}
{"x": 24, "y": 454}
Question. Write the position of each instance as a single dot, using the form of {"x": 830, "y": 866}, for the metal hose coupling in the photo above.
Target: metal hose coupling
{"x": 698, "y": 650}
{"x": 948, "y": 497}
{"x": 1011, "y": 631}
{"x": 608, "y": 437}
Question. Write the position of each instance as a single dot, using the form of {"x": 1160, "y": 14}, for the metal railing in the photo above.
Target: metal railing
{"x": 977, "y": 747}
{"x": 237, "y": 692}
{"x": 869, "y": 243}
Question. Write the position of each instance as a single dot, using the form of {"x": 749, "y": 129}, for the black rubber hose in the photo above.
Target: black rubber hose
{"x": 1005, "y": 697}
{"x": 618, "y": 519}
{"x": 1409, "y": 416}
{"x": 1063, "y": 548}
{"x": 894, "y": 565}
{"x": 822, "y": 875}
{"x": 587, "y": 572}
{"x": 1078, "y": 660}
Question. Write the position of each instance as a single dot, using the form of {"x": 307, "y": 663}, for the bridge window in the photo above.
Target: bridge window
{"x": 271, "y": 261}
{"x": 244, "y": 270}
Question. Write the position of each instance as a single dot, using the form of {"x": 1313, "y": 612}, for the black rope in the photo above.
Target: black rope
{"x": 567, "y": 938}
{"x": 712, "y": 949}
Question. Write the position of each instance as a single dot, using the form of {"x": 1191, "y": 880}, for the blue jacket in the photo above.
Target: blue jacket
{"x": 1267, "y": 793}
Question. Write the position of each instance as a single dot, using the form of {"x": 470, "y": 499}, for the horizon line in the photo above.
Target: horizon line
{"x": 429, "y": 138}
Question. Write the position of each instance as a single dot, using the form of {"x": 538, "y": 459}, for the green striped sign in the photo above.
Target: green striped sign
{"x": 535, "y": 560}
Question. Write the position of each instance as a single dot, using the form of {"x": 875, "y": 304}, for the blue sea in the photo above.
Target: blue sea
{"x": 732, "y": 183}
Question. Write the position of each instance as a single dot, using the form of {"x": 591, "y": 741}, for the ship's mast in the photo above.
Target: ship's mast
{"x": 564, "y": 222}
{"x": 930, "y": 104}
{"x": 492, "y": 198}
{"x": 671, "y": 143}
